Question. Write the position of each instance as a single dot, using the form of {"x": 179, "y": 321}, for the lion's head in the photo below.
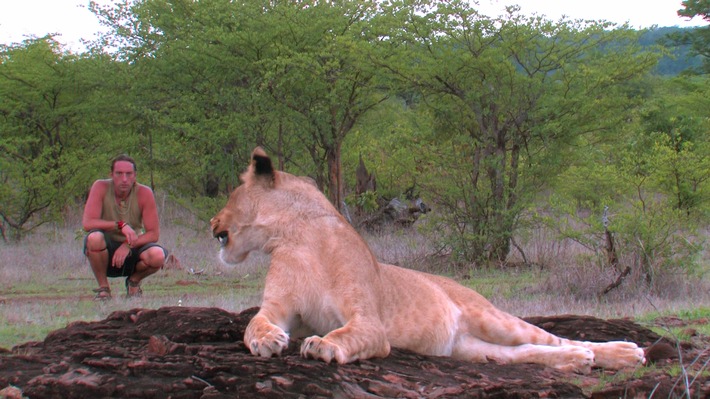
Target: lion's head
{"x": 267, "y": 205}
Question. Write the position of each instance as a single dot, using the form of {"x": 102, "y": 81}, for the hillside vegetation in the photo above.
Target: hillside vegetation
{"x": 506, "y": 126}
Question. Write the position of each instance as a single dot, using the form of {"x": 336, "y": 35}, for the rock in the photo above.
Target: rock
{"x": 11, "y": 392}
{"x": 182, "y": 352}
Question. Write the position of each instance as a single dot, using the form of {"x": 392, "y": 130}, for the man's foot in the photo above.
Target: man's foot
{"x": 133, "y": 289}
{"x": 102, "y": 294}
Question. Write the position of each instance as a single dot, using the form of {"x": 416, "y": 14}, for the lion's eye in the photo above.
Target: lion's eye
{"x": 223, "y": 238}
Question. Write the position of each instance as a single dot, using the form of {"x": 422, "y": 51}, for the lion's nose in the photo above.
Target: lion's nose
{"x": 214, "y": 224}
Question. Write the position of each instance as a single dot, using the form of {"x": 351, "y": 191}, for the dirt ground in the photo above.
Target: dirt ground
{"x": 183, "y": 352}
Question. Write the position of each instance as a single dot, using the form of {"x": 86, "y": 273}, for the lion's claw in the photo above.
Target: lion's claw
{"x": 319, "y": 348}
{"x": 266, "y": 341}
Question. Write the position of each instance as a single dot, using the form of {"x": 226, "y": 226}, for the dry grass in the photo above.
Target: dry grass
{"x": 572, "y": 278}
{"x": 46, "y": 283}
{"x": 566, "y": 278}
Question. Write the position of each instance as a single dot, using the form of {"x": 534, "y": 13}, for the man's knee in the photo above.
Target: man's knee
{"x": 95, "y": 241}
{"x": 154, "y": 257}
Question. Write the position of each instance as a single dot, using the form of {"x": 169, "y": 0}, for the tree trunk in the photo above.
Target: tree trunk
{"x": 280, "y": 145}
{"x": 613, "y": 261}
{"x": 499, "y": 224}
{"x": 335, "y": 176}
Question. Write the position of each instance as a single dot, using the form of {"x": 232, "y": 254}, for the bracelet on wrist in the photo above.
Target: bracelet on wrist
{"x": 120, "y": 224}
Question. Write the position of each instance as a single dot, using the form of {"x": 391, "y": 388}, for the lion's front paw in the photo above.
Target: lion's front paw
{"x": 319, "y": 348}
{"x": 265, "y": 340}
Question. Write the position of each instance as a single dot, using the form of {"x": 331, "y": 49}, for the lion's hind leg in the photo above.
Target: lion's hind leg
{"x": 568, "y": 358}
{"x": 535, "y": 345}
{"x": 615, "y": 355}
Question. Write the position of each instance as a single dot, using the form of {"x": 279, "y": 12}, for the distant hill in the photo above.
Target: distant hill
{"x": 680, "y": 60}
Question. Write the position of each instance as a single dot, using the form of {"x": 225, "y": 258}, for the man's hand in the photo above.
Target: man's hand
{"x": 130, "y": 234}
{"x": 119, "y": 257}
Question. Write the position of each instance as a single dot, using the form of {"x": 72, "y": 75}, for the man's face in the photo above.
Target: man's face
{"x": 124, "y": 177}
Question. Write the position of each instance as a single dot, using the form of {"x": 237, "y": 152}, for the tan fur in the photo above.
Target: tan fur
{"x": 325, "y": 284}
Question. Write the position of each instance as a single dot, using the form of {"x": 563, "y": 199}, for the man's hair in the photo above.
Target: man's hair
{"x": 124, "y": 157}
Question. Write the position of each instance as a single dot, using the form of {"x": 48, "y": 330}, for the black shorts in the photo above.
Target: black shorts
{"x": 129, "y": 266}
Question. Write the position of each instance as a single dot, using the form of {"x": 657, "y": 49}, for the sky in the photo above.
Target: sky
{"x": 71, "y": 19}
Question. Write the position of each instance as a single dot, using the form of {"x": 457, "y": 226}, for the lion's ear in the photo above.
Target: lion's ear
{"x": 262, "y": 166}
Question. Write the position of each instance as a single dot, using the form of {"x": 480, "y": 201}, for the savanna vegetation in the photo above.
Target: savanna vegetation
{"x": 511, "y": 128}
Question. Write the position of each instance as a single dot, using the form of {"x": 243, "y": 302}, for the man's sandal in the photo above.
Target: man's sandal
{"x": 102, "y": 294}
{"x": 133, "y": 286}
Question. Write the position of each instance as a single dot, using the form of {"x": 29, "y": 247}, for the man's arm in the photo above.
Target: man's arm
{"x": 149, "y": 210}
{"x": 92, "y": 210}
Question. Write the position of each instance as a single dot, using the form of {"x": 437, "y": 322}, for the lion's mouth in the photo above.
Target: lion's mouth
{"x": 222, "y": 237}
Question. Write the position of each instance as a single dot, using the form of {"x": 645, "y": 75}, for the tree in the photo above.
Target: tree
{"x": 47, "y": 134}
{"x": 651, "y": 179}
{"x": 218, "y": 77}
{"x": 699, "y": 38}
{"x": 676, "y": 124}
{"x": 323, "y": 72}
{"x": 510, "y": 95}
{"x": 195, "y": 89}
{"x": 695, "y": 8}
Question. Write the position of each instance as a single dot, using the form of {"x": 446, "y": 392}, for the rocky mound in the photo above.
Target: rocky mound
{"x": 177, "y": 352}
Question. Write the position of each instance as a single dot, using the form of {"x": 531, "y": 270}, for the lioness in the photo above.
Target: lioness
{"x": 324, "y": 283}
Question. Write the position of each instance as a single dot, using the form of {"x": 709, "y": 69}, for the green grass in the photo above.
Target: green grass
{"x": 33, "y": 307}
{"x": 29, "y": 313}
{"x": 699, "y": 312}
{"x": 693, "y": 319}
{"x": 514, "y": 284}
{"x": 617, "y": 377}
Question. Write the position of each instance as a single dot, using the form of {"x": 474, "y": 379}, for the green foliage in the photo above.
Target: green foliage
{"x": 698, "y": 39}
{"x": 392, "y": 140}
{"x": 482, "y": 117}
{"x": 678, "y": 143}
{"x": 508, "y": 98}
{"x": 659, "y": 240}
{"x": 325, "y": 77}
{"x": 366, "y": 201}
{"x": 678, "y": 57}
{"x": 218, "y": 77}
{"x": 650, "y": 237}
{"x": 44, "y": 145}
{"x": 654, "y": 180}
{"x": 203, "y": 208}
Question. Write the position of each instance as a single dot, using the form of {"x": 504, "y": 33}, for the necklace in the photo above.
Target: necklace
{"x": 122, "y": 209}
{"x": 124, "y": 206}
